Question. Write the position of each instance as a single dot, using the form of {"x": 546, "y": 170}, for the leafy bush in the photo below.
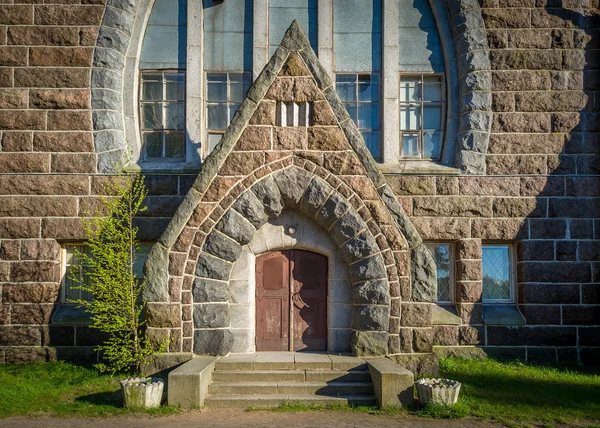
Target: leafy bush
{"x": 112, "y": 243}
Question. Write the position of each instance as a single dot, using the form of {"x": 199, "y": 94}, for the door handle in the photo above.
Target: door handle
{"x": 297, "y": 294}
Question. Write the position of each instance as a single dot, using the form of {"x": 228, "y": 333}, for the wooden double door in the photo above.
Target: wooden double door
{"x": 291, "y": 301}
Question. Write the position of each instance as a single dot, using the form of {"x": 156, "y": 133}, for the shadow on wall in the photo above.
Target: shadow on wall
{"x": 556, "y": 241}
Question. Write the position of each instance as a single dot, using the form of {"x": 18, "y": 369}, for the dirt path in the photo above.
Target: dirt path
{"x": 240, "y": 418}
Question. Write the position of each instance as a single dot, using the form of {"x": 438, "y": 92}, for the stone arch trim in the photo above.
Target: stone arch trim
{"x": 113, "y": 83}
{"x": 469, "y": 37}
{"x": 297, "y": 189}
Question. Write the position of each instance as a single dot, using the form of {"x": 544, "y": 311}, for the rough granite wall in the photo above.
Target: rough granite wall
{"x": 541, "y": 189}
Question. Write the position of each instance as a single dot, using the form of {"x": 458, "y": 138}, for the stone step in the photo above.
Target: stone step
{"x": 290, "y": 388}
{"x": 245, "y": 401}
{"x": 290, "y": 361}
{"x": 290, "y": 376}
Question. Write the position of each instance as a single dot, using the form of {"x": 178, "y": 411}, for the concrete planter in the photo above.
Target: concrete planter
{"x": 142, "y": 392}
{"x": 439, "y": 391}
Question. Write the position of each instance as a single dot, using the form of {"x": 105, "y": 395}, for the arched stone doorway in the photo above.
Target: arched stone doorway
{"x": 292, "y": 230}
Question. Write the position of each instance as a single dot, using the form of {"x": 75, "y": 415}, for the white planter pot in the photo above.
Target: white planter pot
{"x": 142, "y": 392}
{"x": 429, "y": 390}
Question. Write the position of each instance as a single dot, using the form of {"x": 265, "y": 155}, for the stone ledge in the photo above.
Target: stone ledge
{"x": 499, "y": 314}
{"x": 415, "y": 167}
{"x": 70, "y": 314}
{"x": 393, "y": 384}
{"x": 444, "y": 315}
{"x": 188, "y": 383}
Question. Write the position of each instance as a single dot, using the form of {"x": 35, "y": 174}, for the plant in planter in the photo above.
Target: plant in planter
{"x": 110, "y": 259}
{"x": 439, "y": 391}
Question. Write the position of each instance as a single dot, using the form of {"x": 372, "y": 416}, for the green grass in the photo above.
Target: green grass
{"x": 518, "y": 394}
{"x": 62, "y": 389}
{"x": 512, "y": 393}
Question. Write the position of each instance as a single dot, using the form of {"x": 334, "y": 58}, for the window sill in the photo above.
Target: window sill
{"x": 417, "y": 168}
{"x": 70, "y": 314}
{"x": 167, "y": 166}
{"x": 444, "y": 314}
{"x": 502, "y": 314}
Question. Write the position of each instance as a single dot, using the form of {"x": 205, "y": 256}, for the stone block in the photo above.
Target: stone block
{"x": 416, "y": 315}
{"x": 188, "y": 384}
{"x": 374, "y": 292}
{"x": 33, "y": 271}
{"x": 281, "y": 90}
{"x": 369, "y": 343}
{"x": 499, "y": 229}
{"x": 208, "y": 290}
{"x": 211, "y": 315}
{"x": 393, "y": 384}
{"x": 452, "y": 206}
{"x": 254, "y": 138}
{"x": 322, "y": 114}
{"x": 369, "y": 268}
{"x": 251, "y": 209}
{"x": 212, "y": 267}
{"x": 242, "y": 163}
{"x": 267, "y": 193}
{"x": 371, "y": 317}
{"x": 163, "y": 315}
{"x": 445, "y": 335}
{"x": 422, "y": 340}
{"x": 52, "y": 77}
{"x": 326, "y": 139}
{"x": 343, "y": 163}
{"x": 469, "y": 335}
{"x": 292, "y": 184}
{"x": 20, "y": 336}
{"x": 532, "y": 336}
{"x": 264, "y": 115}
{"x": 442, "y": 227}
{"x": 422, "y": 365}
{"x": 213, "y": 342}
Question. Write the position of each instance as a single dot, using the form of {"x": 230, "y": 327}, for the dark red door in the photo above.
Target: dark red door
{"x": 291, "y": 301}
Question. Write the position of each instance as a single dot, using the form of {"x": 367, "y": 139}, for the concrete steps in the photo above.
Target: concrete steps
{"x": 272, "y": 379}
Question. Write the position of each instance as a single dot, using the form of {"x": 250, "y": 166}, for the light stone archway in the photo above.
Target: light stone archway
{"x": 291, "y": 230}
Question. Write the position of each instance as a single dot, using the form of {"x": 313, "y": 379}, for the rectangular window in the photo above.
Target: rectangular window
{"x": 443, "y": 255}
{"x": 224, "y": 94}
{"x": 421, "y": 116}
{"x": 497, "y": 273}
{"x": 360, "y": 95}
{"x": 73, "y": 266}
{"x": 162, "y": 113}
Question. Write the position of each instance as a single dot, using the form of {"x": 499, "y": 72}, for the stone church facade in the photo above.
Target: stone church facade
{"x": 402, "y": 187}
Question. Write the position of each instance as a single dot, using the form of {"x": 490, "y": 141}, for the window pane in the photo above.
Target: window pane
{"x": 238, "y": 85}
{"x": 368, "y": 116}
{"x": 174, "y": 145}
{"x": 70, "y": 292}
{"x": 217, "y": 116}
{"x": 175, "y": 115}
{"x": 345, "y": 86}
{"x": 153, "y": 144}
{"x": 410, "y": 145}
{"x": 152, "y": 116}
{"x": 409, "y": 89}
{"x": 217, "y": 87}
{"x": 368, "y": 88}
{"x": 432, "y": 89}
{"x": 213, "y": 140}
{"x": 409, "y": 117}
{"x": 432, "y": 144}
{"x": 442, "y": 257}
{"x": 432, "y": 117}
{"x": 152, "y": 87}
{"x": 372, "y": 141}
{"x": 175, "y": 83}
{"x": 496, "y": 273}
